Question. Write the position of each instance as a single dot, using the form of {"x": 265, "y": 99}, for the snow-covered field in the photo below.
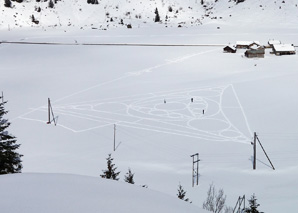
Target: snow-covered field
{"x": 94, "y": 87}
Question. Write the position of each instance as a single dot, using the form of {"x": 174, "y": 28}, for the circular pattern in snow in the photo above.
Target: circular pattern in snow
{"x": 209, "y": 124}
{"x": 171, "y": 106}
{"x": 110, "y": 107}
{"x": 230, "y": 134}
{"x": 158, "y": 112}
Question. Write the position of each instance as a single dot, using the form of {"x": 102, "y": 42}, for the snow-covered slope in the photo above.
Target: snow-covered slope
{"x": 37, "y": 193}
{"x": 94, "y": 87}
{"x": 108, "y": 14}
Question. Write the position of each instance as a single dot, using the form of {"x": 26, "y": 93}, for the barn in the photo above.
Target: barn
{"x": 246, "y": 44}
{"x": 283, "y": 49}
{"x": 255, "y": 53}
{"x": 230, "y": 49}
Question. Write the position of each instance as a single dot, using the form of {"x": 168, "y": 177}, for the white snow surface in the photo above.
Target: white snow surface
{"x": 76, "y": 194}
{"x": 94, "y": 87}
{"x": 284, "y": 47}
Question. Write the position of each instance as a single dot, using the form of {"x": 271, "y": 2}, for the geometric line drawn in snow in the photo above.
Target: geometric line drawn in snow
{"x": 212, "y": 113}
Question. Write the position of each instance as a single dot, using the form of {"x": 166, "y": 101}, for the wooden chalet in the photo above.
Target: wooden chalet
{"x": 283, "y": 49}
{"x": 255, "y": 53}
{"x": 246, "y": 44}
{"x": 230, "y": 49}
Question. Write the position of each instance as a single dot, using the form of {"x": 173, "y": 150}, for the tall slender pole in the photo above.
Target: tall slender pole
{"x": 2, "y": 97}
{"x": 255, "y": 150}
{"x": 193, "y": 170}
{"x": 114, "y": 137}
{"x": 198, "y": 169}
{"x": 49, "y": 111}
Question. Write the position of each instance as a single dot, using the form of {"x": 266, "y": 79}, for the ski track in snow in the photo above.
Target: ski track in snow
{"x": 178, "y": 116}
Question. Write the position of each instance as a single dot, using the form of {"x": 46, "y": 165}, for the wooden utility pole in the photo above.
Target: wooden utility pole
{"x": 255, "y": 151}
{"x": 49, "y": 111}
{"x": 195, "y": 171}
{"x": 256, "y": 138}
{"x": 114, "y": 137}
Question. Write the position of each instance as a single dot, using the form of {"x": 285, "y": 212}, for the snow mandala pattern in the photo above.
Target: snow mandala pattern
{"x": 207, "y": 113}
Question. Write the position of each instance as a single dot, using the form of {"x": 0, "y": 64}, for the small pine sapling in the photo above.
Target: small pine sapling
{"x": 181, "y": 193}
{"x": 129, "y": 177}
{"x": 253, "y": 205}
{"x": 110, "y": 173}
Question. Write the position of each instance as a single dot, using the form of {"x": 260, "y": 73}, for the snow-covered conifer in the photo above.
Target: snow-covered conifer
{"x": 157, "y": 17}
{"x": 7, "y": 3}
{"x": 10, "y": 160}
{"x": 181, "y": 193}
{"x": 110, "y": 173}
{"x": 129, "y": 177}
{"x": 253, "y": 205}
{"x": 51, "y": 4}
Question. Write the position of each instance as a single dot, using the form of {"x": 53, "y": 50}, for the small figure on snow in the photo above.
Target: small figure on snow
{"x": 191, "y": 100}
{"x": 164, "y": 101}
{"x": 203, "y": 111}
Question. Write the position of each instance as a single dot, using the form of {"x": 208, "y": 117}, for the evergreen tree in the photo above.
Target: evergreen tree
{"x": 110, "y": 173}
{"x": 253, "y": 205}
{"x": 129, "y": 177}
{"x": 157, "y": 17}
{"x": 181, "y": 193}
{"x": 10, "y": 160}
{"x": 51, "y": 4}
{"x": 92, "y": 1}
{"x": 7, "y": 3}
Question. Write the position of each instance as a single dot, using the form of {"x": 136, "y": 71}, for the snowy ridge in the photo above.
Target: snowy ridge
{"x": 120, "y": 13}
{"x": 76, "y": 194}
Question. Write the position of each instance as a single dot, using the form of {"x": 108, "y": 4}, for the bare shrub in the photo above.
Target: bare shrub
{"x": 215, "y": 201}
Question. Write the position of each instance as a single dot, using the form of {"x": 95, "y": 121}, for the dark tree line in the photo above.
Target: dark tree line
{"x": 92, "y": 1}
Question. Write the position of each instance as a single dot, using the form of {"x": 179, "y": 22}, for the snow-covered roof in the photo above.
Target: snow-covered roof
{"x": 284, "y": 47}
{"x": 246, "y": 42}
{"x": 232, "y": 47}
{"x": 255, "y": 47}
{"x": 271, "y": 42}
